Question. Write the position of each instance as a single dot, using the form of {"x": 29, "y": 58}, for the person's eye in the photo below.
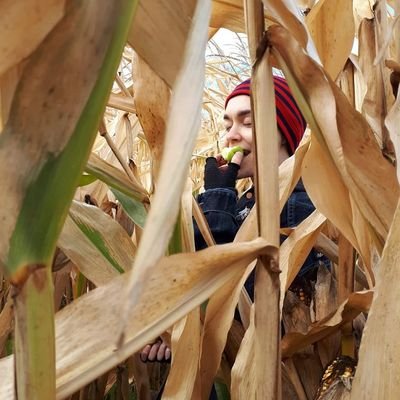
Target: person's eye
{"x": 247, "y": 123}
{"x": 228, "y": 127}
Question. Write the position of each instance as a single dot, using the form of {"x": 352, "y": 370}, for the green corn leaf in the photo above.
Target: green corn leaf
{"x": 115, "y": 178}
{"x": 97, "y": 244}
{"x": 134, "y": 208}
{"x": 86, "y": 179}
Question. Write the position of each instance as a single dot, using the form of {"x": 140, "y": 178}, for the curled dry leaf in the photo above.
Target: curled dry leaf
{"x": 295, "y": 249}
{"x": 333, "y": 44}
{"x": 97, "y": 244}
{"x": 356, "y": 303}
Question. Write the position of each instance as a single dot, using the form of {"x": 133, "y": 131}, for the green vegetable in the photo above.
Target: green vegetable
{"x": 228, "y": 152}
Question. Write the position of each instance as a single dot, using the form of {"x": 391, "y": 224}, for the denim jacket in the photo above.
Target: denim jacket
{"x": 225, "y": 214}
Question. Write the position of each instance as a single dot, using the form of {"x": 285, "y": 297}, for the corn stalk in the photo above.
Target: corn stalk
{"x": 45, "y": 150}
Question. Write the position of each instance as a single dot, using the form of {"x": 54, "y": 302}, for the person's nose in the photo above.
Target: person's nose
{"x": 233, "y": 136}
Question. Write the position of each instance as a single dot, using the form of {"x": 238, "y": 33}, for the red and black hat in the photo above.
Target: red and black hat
{"x": 291, "y": 122}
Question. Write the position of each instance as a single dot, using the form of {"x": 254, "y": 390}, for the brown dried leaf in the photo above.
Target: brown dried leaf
{"x": 333, "y": 44}
{"x": 159, "y": 32}
{"x": 347, "y": 311}
{"x": 295, "y": 249}
{"x": 379, "y": 96}
{"x": 185, "y": 360}
{"x": 243, "y": 371}
{"x": 182, "y": 130}
{"x": 182, "y": 283}
{"x": 325, "y": 304}
{"x": 368, "y": 177}
{"x": 152, "y": 97}
{"x": 380, "y": 343}
{"x": 28, "y": 23}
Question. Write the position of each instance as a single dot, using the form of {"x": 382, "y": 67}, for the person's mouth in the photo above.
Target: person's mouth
{"x": 246, "y": 152}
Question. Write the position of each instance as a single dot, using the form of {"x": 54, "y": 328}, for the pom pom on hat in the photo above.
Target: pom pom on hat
{"x": 291, "y": 122}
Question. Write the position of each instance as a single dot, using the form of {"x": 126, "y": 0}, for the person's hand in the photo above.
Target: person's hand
{"x": 157, "y": 351}
{"x": 218, "y": 174}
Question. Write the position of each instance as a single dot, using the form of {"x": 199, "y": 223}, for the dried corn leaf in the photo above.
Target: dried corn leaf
{"x": 182, "y": 129}
{"x": 243, "y": 371}
{"x": 333, "y": 44}
{"x": 356, "y": 303}
{"x": 152, "y": 97}
{"x": 372, "y": 183}
{"x": 290, "y": 171}
{"x": 380, "y": 343}
{"x": 8, "y": 84}
{"x": 289, "y": 15}
{"x": 392, "y": 123}
{"x": 159, "y": 32}
{"x": 27, "y": 25}
{"x": 295, "y": 249}
{"x": 185, "y": 360}
{"x": 186, "y": 333}
{"x": 296, "y": 318}
{"x": 184, "y": 281}
{"x": 325, "y": 303}
{"x": 227, "y": 14}
{"x": 379, "y": 97}
{"x": 115, "y": 178}
{"x": 97, "y": 244}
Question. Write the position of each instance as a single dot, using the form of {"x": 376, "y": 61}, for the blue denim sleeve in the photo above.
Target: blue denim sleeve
{"x": 219, "y": 207}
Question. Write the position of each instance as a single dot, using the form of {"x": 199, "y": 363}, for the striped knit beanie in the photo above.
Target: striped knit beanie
{"x": 291, "y": 122}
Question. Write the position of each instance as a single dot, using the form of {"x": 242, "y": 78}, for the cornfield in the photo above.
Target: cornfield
{"x": 108, "y": 110}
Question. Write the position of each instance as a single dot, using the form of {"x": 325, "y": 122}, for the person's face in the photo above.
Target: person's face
{"x": 237, "y": 122}
{"x": 239, "y": 132}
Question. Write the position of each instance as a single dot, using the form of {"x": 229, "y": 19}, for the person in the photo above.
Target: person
{"x": 224, "y": 211}
{"x": 222, "y": 208}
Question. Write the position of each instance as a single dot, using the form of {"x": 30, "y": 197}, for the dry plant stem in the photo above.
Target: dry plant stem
{"x": 345, "y": 288}
{"x": 30, "y": 341}
{"x": 138, "y": 370}
{"x": 295, "y": 379}
{"x": 124, "y": 164}
{"x": 267, "y": 285}
{"x": 202, "y": 224}
{"x": 6, "y": 323}
{"x": 122, "y": 86}
{"x": 326, "y": 246}
{"x": 122, "y": 103}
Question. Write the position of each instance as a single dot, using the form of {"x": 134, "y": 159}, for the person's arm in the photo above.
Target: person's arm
{"x": 218, "y": 202}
